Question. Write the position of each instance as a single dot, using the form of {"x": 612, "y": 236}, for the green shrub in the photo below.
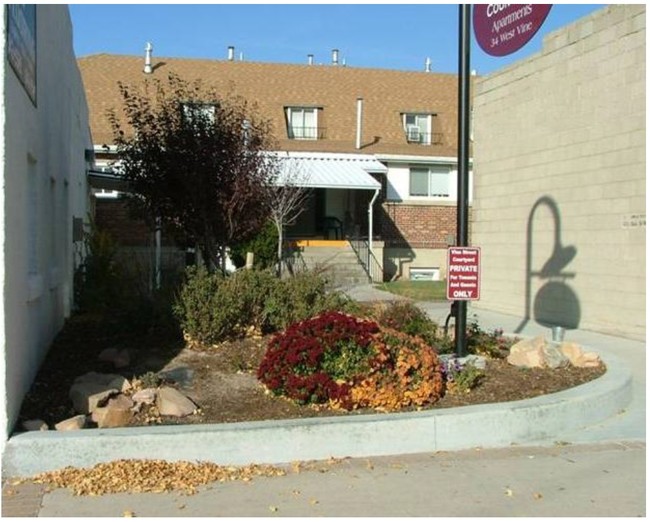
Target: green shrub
{"x": 461, "y": 378}
{"x": 301, "y": 297}
{"x": 406, "y": 317}
{"x": 212, "y": 308}
{"x": 491, "y": 344}
{"x": 264, "y": 245}
{"x": 99, "y": 279}
{"x": 206, "y": 313}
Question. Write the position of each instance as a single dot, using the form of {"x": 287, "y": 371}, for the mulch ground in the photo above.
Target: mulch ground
{"x": 221, "y": 380}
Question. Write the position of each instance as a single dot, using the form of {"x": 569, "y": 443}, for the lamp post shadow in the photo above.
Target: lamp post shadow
{"x": 556, "y": 304}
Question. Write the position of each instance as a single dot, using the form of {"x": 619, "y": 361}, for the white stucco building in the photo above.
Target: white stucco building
{"x": 44, "y": 135}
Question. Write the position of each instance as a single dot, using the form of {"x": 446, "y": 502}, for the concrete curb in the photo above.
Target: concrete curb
{"x": 535, "y": 420}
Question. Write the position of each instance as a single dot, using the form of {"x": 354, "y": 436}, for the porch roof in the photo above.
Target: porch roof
{"x": 333, "y": 171}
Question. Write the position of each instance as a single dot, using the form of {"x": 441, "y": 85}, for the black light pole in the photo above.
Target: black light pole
{"x": 463, "y": 162}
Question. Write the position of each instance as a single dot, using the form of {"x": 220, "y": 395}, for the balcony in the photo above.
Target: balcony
{"x": 423, "y": 138}
{"x": 306, "y": 133}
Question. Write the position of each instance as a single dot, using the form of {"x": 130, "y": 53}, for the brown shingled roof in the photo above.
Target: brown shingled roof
{"x": 386, "y": 93}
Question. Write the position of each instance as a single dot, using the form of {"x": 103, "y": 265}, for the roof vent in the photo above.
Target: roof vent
{"x": 231, "y": 53}
{"x": 148, "y": 49}
{"x": 310, "y": 59}
{"x": 335, "y": 56}
{"x": 427, "y": 65}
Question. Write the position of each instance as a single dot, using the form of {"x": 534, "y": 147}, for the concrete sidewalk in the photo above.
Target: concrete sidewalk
{"x": 609, "y": 411}
{"x": 590, "y": 480}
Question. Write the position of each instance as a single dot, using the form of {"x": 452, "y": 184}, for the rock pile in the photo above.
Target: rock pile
{"x": 539, "y": 353}
{"x": 111, "y": 401}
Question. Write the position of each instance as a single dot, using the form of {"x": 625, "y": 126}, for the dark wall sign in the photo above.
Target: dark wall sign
{"x": 21, "y": 44}
{"x": 463, "y": 273}
{"x": 502, "y": 29}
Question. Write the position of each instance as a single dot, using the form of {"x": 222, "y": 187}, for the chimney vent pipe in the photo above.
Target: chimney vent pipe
{"x": 231, "y": 53}
{"x": 310, "y": 59}
{"x": 148, "y": 49}
{"x": 427, "y": 65}
{"x": 335, "y": 56}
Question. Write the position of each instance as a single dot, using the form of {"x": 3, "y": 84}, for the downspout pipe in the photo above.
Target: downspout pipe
{"x": 370, "y": 223}
{"x": 158, "y": 268}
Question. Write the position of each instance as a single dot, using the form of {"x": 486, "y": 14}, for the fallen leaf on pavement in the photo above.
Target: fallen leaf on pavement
{"x": 508, "y": 492}
{"x": 128, "y": 514}
{"x": 150, "y": 476}
{"x": 537, "y": 496}
{"x": 273, "y": 508}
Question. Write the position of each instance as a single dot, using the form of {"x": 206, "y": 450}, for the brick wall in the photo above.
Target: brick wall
{"x": 404, "y": 225}
{"x": 112, "y": 215}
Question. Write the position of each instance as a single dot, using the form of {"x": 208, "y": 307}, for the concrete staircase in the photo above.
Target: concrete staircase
{"x": 339, "y": 264}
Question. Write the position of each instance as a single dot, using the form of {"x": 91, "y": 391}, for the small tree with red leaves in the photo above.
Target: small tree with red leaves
{"x": 195, "y": 159}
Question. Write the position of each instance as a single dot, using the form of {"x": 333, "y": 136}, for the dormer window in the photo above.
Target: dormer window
{"x": 302, "y": 123}
{"x": 417, "y": 128}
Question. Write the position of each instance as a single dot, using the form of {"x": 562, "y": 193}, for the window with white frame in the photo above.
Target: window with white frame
{"x": 432, "y": 182}
{"x": 195, "y": 112}
{"x": 302, "y": 123}
{"x": 417, "y": 128}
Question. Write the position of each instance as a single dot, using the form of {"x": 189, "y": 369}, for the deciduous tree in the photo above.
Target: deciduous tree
{"x": 197, "y": 160}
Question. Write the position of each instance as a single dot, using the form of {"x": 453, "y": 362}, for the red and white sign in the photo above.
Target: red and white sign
{"x": 502, "y": 29}
{"x": 463, "y": 273}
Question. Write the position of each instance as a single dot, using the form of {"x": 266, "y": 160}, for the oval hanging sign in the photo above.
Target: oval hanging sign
{"x": 502, "y": 29}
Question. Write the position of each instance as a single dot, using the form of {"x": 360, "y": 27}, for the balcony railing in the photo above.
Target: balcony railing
{"x": 424, "y": 138}
{"x": 306, "y": 133}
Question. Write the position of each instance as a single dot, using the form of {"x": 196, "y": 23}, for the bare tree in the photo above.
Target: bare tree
{"x": 287, "y": 199}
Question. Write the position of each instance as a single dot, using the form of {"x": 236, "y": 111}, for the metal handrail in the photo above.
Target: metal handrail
{"x": 367, "y": 258}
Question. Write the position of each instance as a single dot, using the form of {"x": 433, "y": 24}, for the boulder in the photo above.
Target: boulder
{"x": 122, "y": 360}
{"x": 108, "y": 379}
{"x": 108, "y": 354}
{"x": 74, "y": 423}
{"x": 119, "y": 358}
{"x": 88, "y": 396}
{"x": 92, "y": 389}
{"x": 554, "y": 358}
{"x": 35, "y": 425}
{"x": 116, "y": 413}
{"x": 170, "y": 401}
{"x": 146, "y": 396}
{"x": 528, "y": 353}
{"x": 578, "y": 356}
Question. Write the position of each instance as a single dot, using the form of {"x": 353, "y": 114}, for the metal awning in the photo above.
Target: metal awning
{"x": 330, "y": 171}
{"x": 304, "y": 169}
{"x": 106, "y": 180}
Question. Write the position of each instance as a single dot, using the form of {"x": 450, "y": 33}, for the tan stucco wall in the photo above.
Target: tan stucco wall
{"x": 567, "y": 124}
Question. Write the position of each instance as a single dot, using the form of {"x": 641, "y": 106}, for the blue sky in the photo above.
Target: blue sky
{"x": 386, "y": 36}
